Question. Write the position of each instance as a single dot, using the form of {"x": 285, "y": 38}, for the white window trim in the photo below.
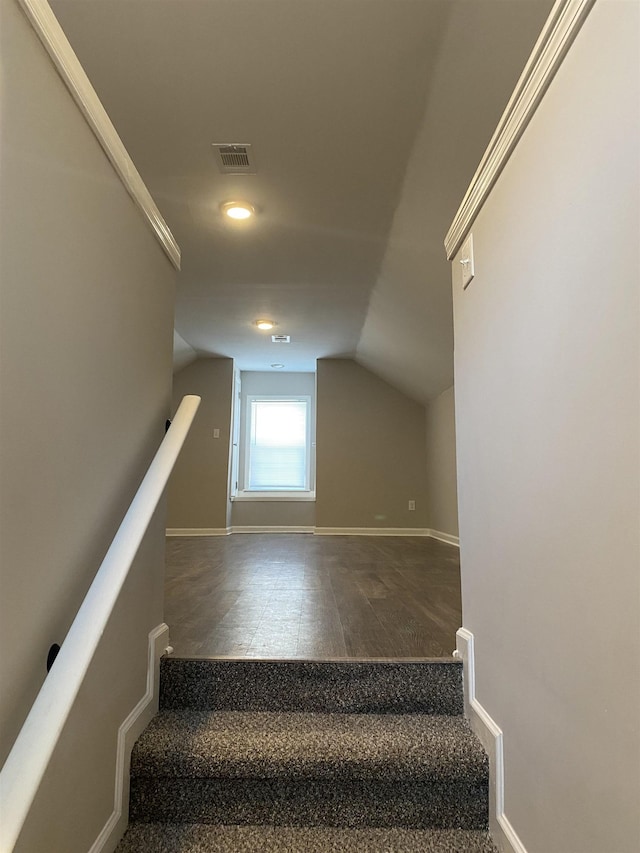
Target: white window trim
{"x": 275, "y": 494}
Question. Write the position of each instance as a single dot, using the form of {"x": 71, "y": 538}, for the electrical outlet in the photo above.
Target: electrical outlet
{"x": 412, "y": 505}
{"x": 216, "y": 433}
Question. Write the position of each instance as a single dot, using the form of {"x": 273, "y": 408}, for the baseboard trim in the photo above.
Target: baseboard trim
{"x": 371, "y": 531}
{"x": 273, "y": 528}
{"x": 198, "y": 531}
{"x": 449, "y": 538}
{"x": 318, "y": 531}
{"x": 490, "y": 734}
{"x": 129, "y": 731}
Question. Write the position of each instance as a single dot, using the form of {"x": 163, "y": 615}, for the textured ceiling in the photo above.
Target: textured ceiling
{"x": 367, "y": 119}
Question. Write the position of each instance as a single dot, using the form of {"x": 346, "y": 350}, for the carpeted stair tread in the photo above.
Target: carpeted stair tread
{"x": 355, "y": 803}
{"x": 274, "y": 745}
{"x": 359, "y": 687}
{"x": 309, "y": 757}
{"x": 199, "y": 838}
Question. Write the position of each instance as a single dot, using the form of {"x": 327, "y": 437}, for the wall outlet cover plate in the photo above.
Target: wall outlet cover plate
{"x": 466, "y": 262}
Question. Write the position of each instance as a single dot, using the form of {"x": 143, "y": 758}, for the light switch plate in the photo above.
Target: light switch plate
{"x": 466, "y": 261}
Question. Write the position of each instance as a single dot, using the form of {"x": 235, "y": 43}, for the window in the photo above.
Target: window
{"x": 277, "y": 448}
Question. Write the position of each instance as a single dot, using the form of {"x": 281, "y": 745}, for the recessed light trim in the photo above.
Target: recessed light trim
{"x": 277, "y": 366}
{"x": 238, "y": 210}
{"x": 265, "y": 325}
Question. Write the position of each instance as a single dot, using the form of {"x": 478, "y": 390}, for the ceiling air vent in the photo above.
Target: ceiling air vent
{"x": 234, "y": 158}
{"x": 281, "y": 339}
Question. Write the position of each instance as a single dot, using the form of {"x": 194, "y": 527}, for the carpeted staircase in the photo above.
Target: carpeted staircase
{"x": 305, "y": 757}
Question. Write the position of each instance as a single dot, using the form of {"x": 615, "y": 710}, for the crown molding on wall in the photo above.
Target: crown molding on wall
{"x": 490, "y": 735}
{"x": 68, "y": 66}
{"x": 562, "y": 26}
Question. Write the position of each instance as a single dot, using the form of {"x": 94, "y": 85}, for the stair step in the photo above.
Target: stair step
{"x": 309, "y": 756}
{"x": 285, "y": 802}
{"x": 378, "y": 687}
{"x": 267, "y": 745}
{"x": 309, "y": 769}
{"x": 199, "y": 838}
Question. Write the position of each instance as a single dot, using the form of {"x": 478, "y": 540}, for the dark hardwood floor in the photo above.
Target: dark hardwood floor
{"x": 314, "y": 597}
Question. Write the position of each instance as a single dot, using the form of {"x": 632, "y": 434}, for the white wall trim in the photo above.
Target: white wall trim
{"x": 371, "y": 531}
{"x": 490, "y": 735}
{"x": 271, "y": 528}
{"x": 449, "y": 538}
{"x": 68, "y": 66}
{"x": 318, "y": 531}
{"x": 129, "y": 731}
{"x": 273, "y": 497}
{"x": 560, "y": 29}
{"x": 198, "y": 531}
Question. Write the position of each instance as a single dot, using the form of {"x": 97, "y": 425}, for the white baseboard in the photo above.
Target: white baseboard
{"x": 318, "y": 531}
{"x": 271, "y": 528}
{"x": 129, "y": 731}
{"x": 371, "y": 531}
{"x": 490, "y": 735}
{"x": 198, "y": 531}
{"x": 444, "y": 537}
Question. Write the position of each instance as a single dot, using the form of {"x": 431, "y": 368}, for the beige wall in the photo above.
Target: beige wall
{"x": 442, "y": 492}
{"x": 371, "y": 450}
{"x": 200, "y": 481}
{"x": 547, "y": 382}
{"x": 86, "y": 319}
{"x": 274, "y": 514}
{"x": 370, "y": 458}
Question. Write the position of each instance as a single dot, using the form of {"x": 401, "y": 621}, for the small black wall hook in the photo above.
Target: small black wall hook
{"x": 53, "y": 654}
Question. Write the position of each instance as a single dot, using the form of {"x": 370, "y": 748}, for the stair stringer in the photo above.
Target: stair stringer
{"x": 490, "y": 735}
{"x": 128, "y": 733}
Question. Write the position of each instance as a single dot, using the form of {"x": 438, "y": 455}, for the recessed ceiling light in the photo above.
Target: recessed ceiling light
{"x": 278, "y": 366}
{"x": 238, "y": 209}
{"x": 265, "y": 324}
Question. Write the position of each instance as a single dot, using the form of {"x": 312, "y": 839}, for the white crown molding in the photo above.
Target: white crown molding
{"x": 560, "y": 29}
{"x": 490, "y": 735}
{"x": 129, "y": 731}
{"x": 68, "y": 66}
{"x": 198, "y": 531}
{"x": 371, "y": 531}
{"x": 449, "y": 538}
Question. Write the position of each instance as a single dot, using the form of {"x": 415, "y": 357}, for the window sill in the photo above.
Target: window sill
{"x": 274, "y": 496}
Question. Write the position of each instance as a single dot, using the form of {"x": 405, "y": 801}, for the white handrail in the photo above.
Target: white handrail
{"x": 25, "y": 766}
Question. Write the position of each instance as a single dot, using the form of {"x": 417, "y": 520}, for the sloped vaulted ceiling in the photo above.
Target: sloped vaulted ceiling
{"x": 407, "y": 337}
{"x": 367, "y": 119}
